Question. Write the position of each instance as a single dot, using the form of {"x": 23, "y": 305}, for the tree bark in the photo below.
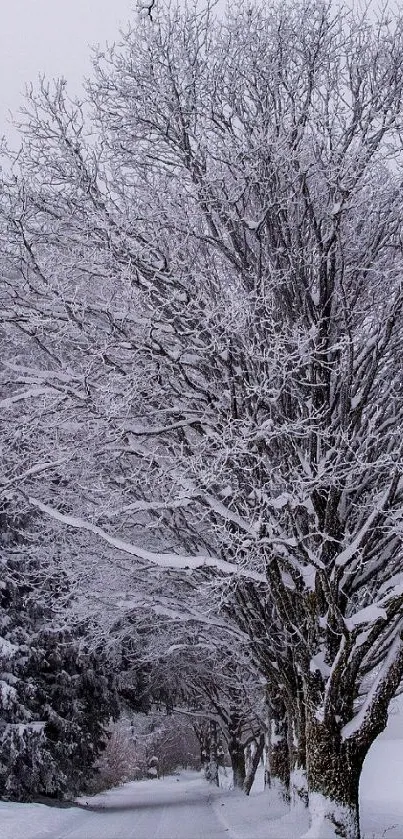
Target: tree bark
{"x": 202, "y": 732}
{"x": 253, "y": 765}
{"x": 279, "y": 752}
{"x": 334, "y": 769}
{"x": 297, "y": 741}
{"x": 212, "y": 769}
{"x": 266, "y": 753}
{"x": 204, "y": 758}
{"x": 236, "y": 752}
{"x": 237, "y": 756}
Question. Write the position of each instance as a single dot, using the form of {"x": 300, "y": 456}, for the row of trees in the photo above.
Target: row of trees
{"x": 201, "y": 310}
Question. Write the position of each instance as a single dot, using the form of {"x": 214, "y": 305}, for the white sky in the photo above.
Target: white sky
{"x": 51, "y": 37}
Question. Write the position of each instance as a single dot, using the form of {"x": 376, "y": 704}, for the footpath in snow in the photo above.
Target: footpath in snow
{"x": 186, "y": 807}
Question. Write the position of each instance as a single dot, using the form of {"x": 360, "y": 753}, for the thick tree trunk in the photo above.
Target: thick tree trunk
{"x": 334, "y": 769}
{"x": 236, "y": 751}
{"x": 253, "y": 765}
{"x": 238, "y": 766}
{"x": 279, "y": 751}
{"x": 237, "y": 756}
{"x": 299, "y": 784}
{"x": 202, "y": 732}
{"x": 204, "y": 758}
{"x": 212, "y": 768}
{"x": 297, "y": 739}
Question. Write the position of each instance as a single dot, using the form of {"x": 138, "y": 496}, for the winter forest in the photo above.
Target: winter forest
{"x": 201, "y": 395}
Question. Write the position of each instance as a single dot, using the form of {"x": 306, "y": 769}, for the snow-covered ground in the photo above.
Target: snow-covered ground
{"x": 173, "y": 808}
{"x": 186, "y": 807}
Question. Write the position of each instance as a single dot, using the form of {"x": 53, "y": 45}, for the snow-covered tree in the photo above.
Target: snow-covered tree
{"x": 214, "y": 290}
{"x": 56, "y": 695}
{"x": 199, "y": 669}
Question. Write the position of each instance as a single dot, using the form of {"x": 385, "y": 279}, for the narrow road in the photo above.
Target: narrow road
{"x": 167, "y": 809}
{"x": 188, "y": 808}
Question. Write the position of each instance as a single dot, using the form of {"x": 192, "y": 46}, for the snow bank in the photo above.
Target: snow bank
{"x": 264, "y": 817}
{"x": 319, "y": 811}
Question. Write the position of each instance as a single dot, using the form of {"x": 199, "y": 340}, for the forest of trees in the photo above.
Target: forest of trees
{"x": 202, "y": 400}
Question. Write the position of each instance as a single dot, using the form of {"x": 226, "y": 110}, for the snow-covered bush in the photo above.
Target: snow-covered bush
{"x": 119, "y": 762}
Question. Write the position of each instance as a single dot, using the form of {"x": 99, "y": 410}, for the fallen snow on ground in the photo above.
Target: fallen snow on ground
{"x": 382, "y": 791}
{"x": 264, "y": 817}
{"x": 172, "y": 808}
{"x": 381, "y": 799}
{"x": 186, "y": 807}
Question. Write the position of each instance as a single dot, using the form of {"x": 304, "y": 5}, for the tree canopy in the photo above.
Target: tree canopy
{"x": 202, "y": 301}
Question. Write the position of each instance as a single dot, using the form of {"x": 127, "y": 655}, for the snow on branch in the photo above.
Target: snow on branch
{"x": 37, "y": 469}
{"x": 164, "y": 560}
{"x": 143, "y": 431}
{"x": 220, "y": 509}
{"x": 348, "y": 553}
{"x": 25, "y": 394}
{"x": 393, "y": 661}
{"x": 369, "y": 614}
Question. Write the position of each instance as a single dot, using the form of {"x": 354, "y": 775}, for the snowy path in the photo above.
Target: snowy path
{"x": 189, "y": 808}
{"x": 168, "y": 809}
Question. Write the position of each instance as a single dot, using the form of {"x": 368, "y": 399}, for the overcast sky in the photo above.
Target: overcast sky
{"x": 54, "y": 37}
{"x": 51, "y": 37}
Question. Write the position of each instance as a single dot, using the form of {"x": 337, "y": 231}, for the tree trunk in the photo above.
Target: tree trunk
{"x": 297, "y": 740}
{"x": 237, "y": 755}
{"x": 202, "y": 733}
{"x": 253, "y": 765}
{"x": 279, "y": 752}
{"x": 204, "y": 758}
{"x": 212, "y": 768}
{"x": 334, "y": 769}
{"x": 266, "y": 754}
{"x": 236, "y": 752}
